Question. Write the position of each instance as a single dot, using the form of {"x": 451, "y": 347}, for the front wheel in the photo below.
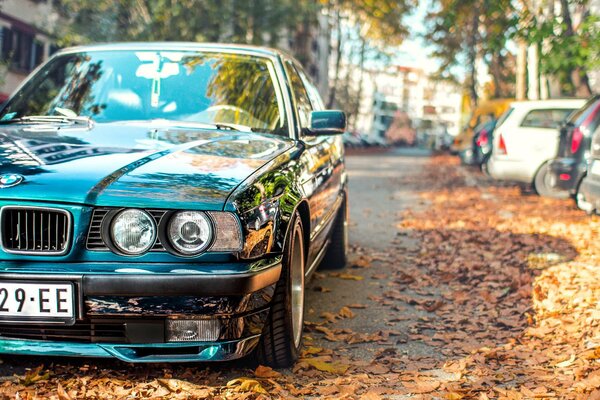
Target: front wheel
{"x": 281, "y": 338}
{"x": 542, "y": 184}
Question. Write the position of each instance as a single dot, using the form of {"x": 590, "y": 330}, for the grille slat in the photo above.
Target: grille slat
{"x": 35, "y": 230}
{"x": 90, "y": 332}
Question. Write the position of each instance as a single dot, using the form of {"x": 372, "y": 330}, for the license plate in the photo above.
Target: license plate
{"x": 39, "y": 302}
{"x": 595, "y": 170}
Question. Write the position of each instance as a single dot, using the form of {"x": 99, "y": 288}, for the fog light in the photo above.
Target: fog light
{"x": 193, "y": 330}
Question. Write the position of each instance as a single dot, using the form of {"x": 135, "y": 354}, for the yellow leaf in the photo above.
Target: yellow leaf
{"x": 247, "y": 385}
{"x": 333, "y": 367}
{"x": 313, "y": 350}
{"x": 347, "y": 276}
{"x": 566, "y": 363}
{"x": 34, "y": 376}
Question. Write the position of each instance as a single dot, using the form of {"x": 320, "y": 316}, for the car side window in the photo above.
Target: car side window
{"x": 313, "y": 92}
{"x": 545, "y": 119}
{"x": 300, "y": 95}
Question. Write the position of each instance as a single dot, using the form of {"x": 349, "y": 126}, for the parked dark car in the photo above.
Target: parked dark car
{"x": 589, "y": 190}
{"x": 569, "y": 168}
{"x": 166, "y": 202}
{"x": 483, "y": 142}
{"x": 480, "y": 145}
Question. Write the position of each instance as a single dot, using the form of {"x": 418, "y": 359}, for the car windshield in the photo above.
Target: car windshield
{"x": 187, "y": 86}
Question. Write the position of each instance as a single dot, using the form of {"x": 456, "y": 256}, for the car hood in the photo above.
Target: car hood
{"x": 152, "y": 164}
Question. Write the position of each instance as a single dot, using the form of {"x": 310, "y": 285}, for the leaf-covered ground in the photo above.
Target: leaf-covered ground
{"x": 507, "y": 286}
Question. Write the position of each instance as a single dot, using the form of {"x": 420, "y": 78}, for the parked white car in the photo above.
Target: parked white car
{"x": 526, "y": 138}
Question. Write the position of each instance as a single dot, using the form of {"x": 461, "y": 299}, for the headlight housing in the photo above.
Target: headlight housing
{"x": 190, "y": 232}
{"x": 133, "y": 232}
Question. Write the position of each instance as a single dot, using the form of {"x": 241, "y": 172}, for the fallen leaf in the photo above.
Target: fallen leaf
{"x": 266, "y": 372}
{"x": 61, "y": 392}
{"x": 345, "y": 312}
{"x": 566, "y": 363}
{"x": 350, "y": 277}
{"x": 246, "y": 385}
{"x": 333, "y": 367}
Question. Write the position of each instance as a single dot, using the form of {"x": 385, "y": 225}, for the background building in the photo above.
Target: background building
{"x": 24, "y": 40}
{"x": 428, "y": 105}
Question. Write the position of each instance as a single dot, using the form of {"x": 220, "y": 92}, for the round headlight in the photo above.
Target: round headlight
{"x": 133, "y": 231}
{"x": 190, "y": 232}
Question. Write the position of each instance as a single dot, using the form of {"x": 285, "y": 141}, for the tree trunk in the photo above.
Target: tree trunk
{"x": 338, "y": 58}
{"x": 578, "y": 77}
{"x": 533, "y": 69}
{"x": 521, "y": 70}
{"x": 472, "y": 57}
{"x": 361, "y": 75}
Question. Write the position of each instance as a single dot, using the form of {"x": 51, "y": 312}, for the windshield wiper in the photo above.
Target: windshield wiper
{"x": 43, "y": 119}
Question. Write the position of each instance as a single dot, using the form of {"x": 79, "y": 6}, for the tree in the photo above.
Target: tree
{"x": 364, "y": 32}
{"x": 571, "y": 50}
{"x": 464, "y": 31}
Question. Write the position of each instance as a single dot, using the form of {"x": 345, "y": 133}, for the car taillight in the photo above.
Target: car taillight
{"x": 501, "y": 146}
{"x": 576, "y": 140}
{"x": 482, "y": 140}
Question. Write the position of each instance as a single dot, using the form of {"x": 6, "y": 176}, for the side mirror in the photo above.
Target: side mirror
{"x": 328, "y": 122}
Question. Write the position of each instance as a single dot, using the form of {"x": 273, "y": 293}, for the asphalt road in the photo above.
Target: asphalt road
{"x": 381, "y": 188}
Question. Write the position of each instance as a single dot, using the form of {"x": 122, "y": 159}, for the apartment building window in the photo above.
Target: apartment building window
{"x": 22, "y": 49}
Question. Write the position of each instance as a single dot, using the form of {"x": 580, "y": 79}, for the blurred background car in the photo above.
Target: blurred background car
{"x": 481, "y": 145}
{"x": 527, "y": 140}
{"x": 568, "y": 169}
{"x": 588, "y": 195}
{"x": 484, "y": 112}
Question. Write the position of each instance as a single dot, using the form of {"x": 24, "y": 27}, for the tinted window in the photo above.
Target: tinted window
{"x": 581, "y": 114}
{"x": 300, "y": 95}
{"x": 142, "y": 85}
{"x": 548, "y": 118}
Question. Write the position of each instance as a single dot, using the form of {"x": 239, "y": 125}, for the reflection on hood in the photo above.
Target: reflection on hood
{"x": 116, "y": 164}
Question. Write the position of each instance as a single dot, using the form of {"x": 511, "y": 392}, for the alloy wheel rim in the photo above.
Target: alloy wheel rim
{"x": 297, "y": 283}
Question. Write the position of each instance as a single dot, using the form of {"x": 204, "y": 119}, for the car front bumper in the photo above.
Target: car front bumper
{"x": 126, "y": 314}
{"x": 561, "y": 168}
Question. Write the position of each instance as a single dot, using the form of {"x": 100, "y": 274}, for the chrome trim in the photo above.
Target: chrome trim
{"x": 68, "y": 233}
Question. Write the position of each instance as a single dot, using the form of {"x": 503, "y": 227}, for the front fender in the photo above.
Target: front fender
{"x": 266, "y": 202}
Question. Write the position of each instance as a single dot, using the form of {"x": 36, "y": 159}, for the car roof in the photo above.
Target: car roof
{"x": 181, "y": 46}
{"x": 552, "y": 103}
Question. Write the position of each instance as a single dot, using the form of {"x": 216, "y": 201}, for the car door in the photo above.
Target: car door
{"x": 322, "y": 163}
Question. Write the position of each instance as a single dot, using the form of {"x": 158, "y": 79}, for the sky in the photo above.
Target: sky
{"x": 414, "y": 51}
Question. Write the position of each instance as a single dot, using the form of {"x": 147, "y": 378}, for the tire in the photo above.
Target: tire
{"x": 281, "y": 337}
{"x": 541, "y": 184}
{"x": 336, "y": 256}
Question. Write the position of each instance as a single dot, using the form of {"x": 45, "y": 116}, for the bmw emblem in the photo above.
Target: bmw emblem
{"x": 9, "y": 180}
